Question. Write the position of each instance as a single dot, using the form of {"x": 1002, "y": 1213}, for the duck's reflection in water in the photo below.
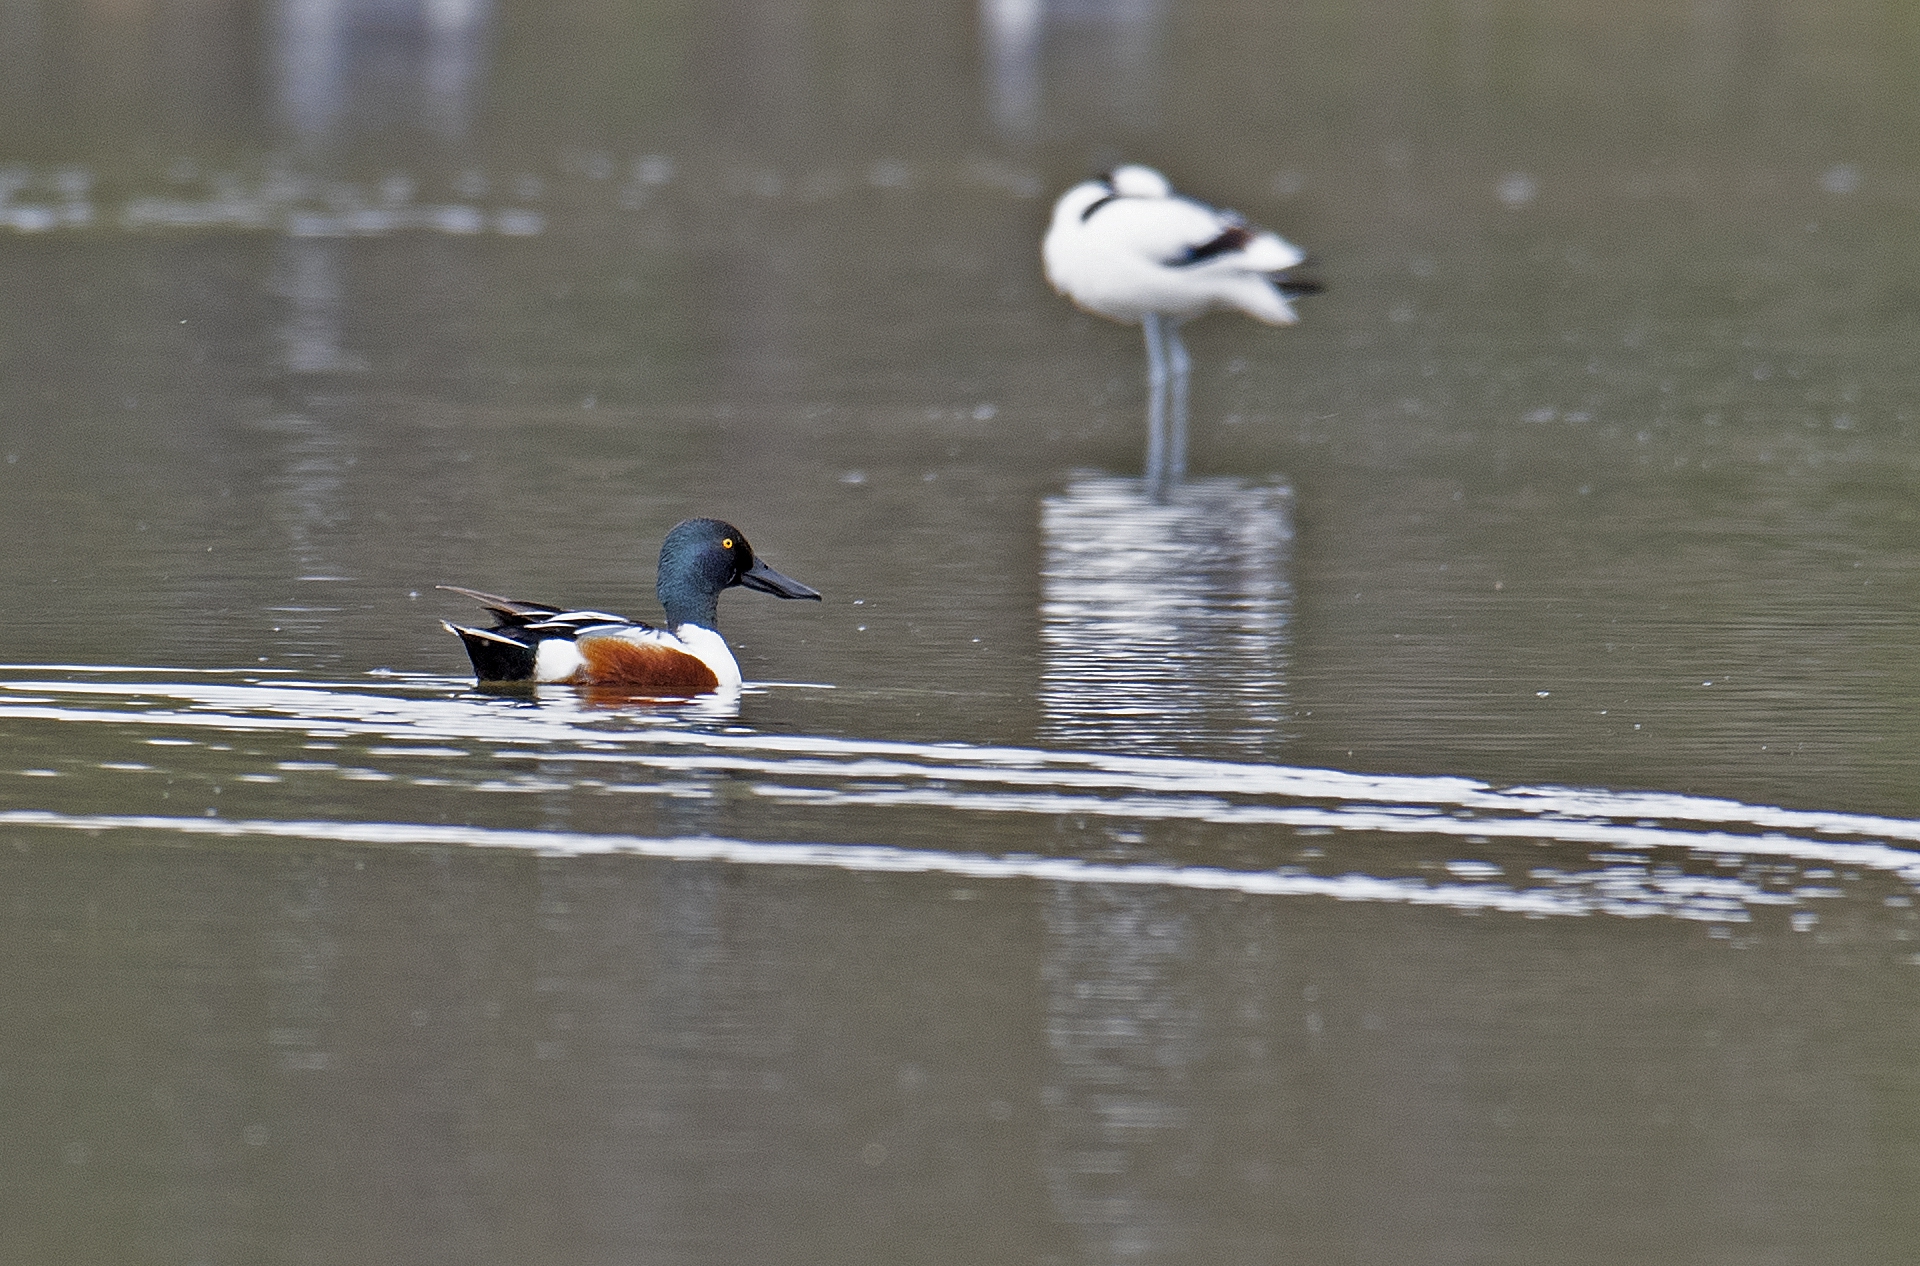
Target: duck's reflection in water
{"x": 720, "y": 704}
{"x": 1164, "y": 616}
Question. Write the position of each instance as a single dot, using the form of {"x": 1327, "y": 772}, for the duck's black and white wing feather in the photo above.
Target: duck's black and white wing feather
{"x": 539, "y": 617}
{"x": 511, "y": 650}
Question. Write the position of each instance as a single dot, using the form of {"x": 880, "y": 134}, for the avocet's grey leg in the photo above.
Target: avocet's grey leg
{"x": 1156, "y": 473}
{"x": 1151, "y": 327}
{"x": 1179, "y": 364}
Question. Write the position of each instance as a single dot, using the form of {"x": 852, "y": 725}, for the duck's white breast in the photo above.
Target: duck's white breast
{"x": 709, "y": 648}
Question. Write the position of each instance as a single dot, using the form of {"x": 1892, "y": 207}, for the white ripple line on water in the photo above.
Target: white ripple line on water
{"x": 339, "y": 712}
{"x": 1388, "y": 819}
{"x": 1686, "y": 901}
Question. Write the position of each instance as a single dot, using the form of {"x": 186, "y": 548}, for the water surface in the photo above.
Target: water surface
{"x": 1470, "y": 818}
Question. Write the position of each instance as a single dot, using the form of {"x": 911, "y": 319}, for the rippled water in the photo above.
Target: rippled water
{"x": 244, "y": 749}
{"x": 673, "y": 962}
{"x": 1468, "y": 817}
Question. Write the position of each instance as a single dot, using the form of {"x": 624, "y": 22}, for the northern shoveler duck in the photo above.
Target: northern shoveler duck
{"x": 531, "y": 641}
{"x": 1129, "y": 248}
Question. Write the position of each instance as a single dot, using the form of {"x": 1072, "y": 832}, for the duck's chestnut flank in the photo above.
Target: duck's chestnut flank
{"x": 609, "y": 660}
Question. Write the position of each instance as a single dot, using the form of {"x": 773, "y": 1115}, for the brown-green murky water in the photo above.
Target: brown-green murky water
{"x": 1470, "y": 819}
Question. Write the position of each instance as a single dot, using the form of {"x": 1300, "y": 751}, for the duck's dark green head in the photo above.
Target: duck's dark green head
{"x": 699, "y": 558}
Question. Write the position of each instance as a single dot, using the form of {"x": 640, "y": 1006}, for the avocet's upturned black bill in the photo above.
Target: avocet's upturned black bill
{"x": 533, "y": 642}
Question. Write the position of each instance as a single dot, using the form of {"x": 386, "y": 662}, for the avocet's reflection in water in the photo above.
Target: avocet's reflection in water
{"x": 1164, "y": 614}
{"x": 1124, "y": 1035}
{"x": 1164, "y": 624}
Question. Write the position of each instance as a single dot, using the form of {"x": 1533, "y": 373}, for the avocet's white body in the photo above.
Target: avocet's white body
{"x": 1128, "y": 247}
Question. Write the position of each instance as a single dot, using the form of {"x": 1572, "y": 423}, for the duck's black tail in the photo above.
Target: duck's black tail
{"x": 495, "y": 657}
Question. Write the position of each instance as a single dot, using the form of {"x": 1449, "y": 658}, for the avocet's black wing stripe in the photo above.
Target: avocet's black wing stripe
{"x": 1234, "y": 237}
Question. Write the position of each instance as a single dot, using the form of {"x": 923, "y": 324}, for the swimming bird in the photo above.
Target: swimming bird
{"x": 1128, "y": 247}
{"x": 531, "y": 641}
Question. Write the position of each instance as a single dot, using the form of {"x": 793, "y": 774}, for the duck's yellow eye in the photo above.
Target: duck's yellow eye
{"x": 726, "y": 542}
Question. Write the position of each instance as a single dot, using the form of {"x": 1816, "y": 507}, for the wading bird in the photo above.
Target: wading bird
{"x": 1129, "y": 248}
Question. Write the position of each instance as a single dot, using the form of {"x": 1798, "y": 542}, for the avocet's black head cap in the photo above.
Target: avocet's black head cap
{"x": 699, "y": 558}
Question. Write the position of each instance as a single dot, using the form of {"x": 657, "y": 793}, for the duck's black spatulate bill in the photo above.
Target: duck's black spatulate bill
{"x": 767, "y": 580}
